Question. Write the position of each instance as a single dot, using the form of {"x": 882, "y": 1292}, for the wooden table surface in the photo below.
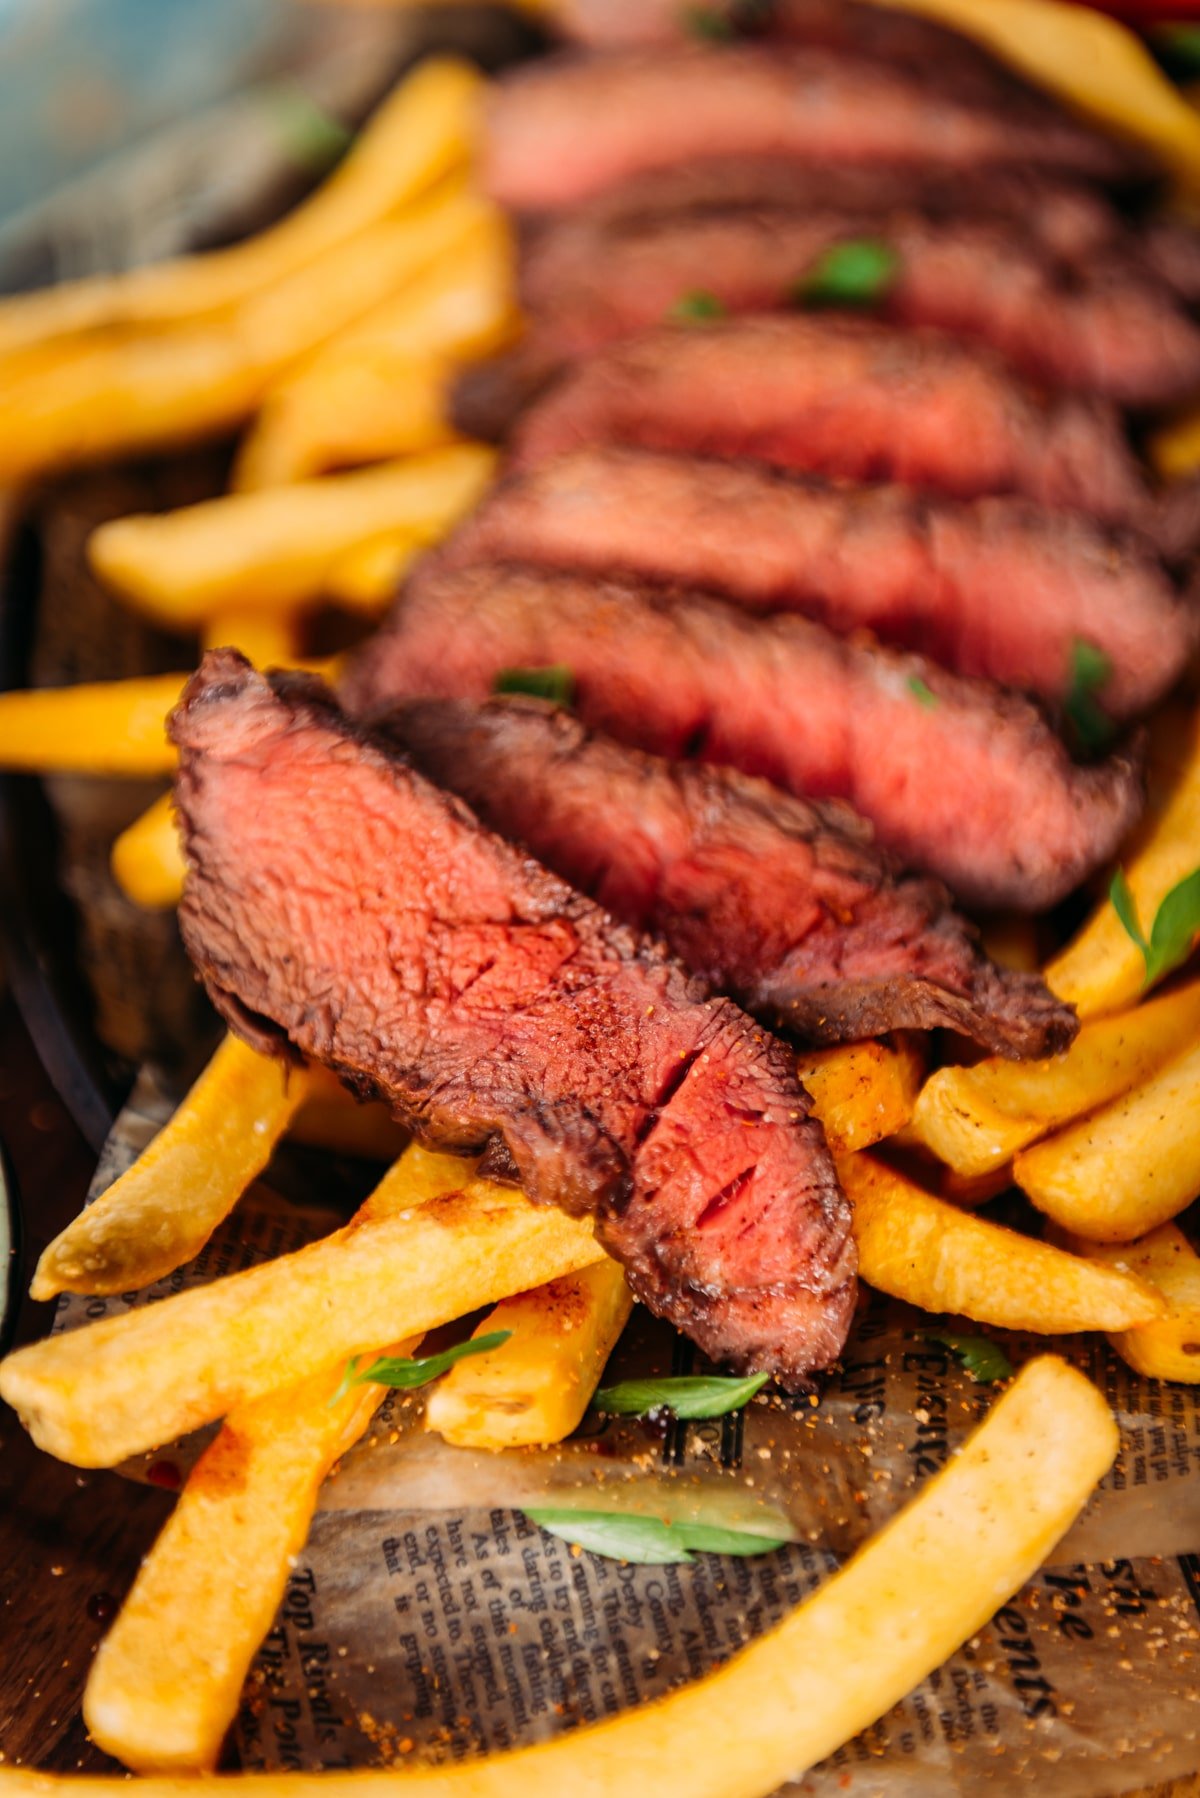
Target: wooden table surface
{"x": 70, "y": 1542}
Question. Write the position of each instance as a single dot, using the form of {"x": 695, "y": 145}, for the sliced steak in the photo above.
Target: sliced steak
{"x": 1120, "y": 333}
{"x": 786, "y": 906}
{"x": 851, "y": 398}
{"x": 957, "y": 777}
{"x": 567, "y": 127}
{"x": 338, "y": 903}
{"x": 993, "y": 587}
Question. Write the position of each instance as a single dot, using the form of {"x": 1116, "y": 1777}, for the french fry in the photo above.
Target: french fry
{"x": 918, "y": 1589}
{"x": 537, "y": 1386}
{"x": 976, "y": 1119}
{"x": 103, "y": 727}
{"x": 940, "y": 1258}
{"x": 163, "y": 1210}
{"x": 129, "y": 1383}
{"x": 367, "y": 578}
{"x": 1011, "y": 941}
{"x": 862, "y": 1092}
{"x": 1175, "y": 450}
{"x": 422, "y": 132}
{"x": 1093, "y": 63}
{"x": 1103, "y": 969}
{"x": 272, "y": 550}
{"x": 1168, "y": 1348}
{"x": 268, "y": 639}
{"x": 331, "y": 1118}
{"x": 1124, "y": 1170}
{"x": 147, "y": 858}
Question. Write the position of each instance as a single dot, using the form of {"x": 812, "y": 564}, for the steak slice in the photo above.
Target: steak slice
{"x": 957, "y": 777}
{"x": 563, "y": 128}
{"x": 850, "y": 398}
{"x": 339, "y": 904}
{"x": 1118, "y": 333}
{"x": 993, "y": 587}
{"x": 783, "y": 904}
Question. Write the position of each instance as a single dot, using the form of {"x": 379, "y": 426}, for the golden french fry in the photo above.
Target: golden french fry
{"x": 147, "y": 858}
{"x": 1092, "y": 62}
{"x": 918, "y": 1589}
{"x": 129, "y": 1383}
{"x": 367, "y": 578}
{"x": 105, "y": 727}
{"x": 863, "y": 1092}
{"x": 976, "y": 1119}
{"x": 332, "y": 1118}
{"x": 380, "y": 388}
{"x": 1175, "y": 450}
{"x": 536, "y": 1386}
{"x": 1103, "y": 968}
{"x": 424, "y": 130}
{"x": 272, "y": 550}
{"x": 163, "y": 1210}
{"x": 1011, "y": 941}
{"x": 932, "y": 1254}
{"x": 268, "y": 639}
{"x": 1168, "y": 1348}
{"x": 1124, "y": 1170}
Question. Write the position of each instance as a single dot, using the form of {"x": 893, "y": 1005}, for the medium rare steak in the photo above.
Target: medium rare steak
{"x": 338, "y": 903}
{"x": 785, "y": 905}
{"x": 1118, "y": 332}
{"x": 957, "y": 777}
{"x": 567, "y": 127}
{"x": 846, "y": 397}
{"x": 993, "y": 587}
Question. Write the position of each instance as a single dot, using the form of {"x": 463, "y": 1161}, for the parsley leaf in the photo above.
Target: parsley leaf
{"x": 708, "y": 24}
{"x": 555, "y": 683}
{"x": 1175, "y": 928}
{"x": 687, "y": 1395}
{"x": 1090, "y": 672}
{"x": 860, "y": 272}
{"x": 697, "y": 308}
{"x": 983, "y": 1359}
{"x": 407, "y": 1371}
{"x": 922, "y": 692}
{"x": 624, "y": 1536}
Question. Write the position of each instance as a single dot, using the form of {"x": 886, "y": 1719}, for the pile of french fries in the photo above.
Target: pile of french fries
{"x": 331, "y": 340}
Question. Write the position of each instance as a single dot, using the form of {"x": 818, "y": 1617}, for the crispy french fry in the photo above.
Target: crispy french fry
{"x": 537, "y": 1386}
{"x": 105, "y": 727}
{"x": 268, "y": 639}
{"x": 271, "y": 551}
{"x": 1103, "y": 968}
{"x": 936, "y": 1256}
{"x": 976, "y": 1119}
{"x": 379, "y": 389}
{"x": 1091, "y": 61}
{"x": 367, "y": 578}
{"x": 1124, "y": 1170}
{"x": 424, "y": 130}
{"x": 147, "y": 858}
{"x": 163, "y": 1210}
{"x": 1175, "y": 450}
{"x": 129, "y": 1383}
{"x": 332, "y": 1118}
{"x": 924, "y": 1584}
{"x": 1169, "y": 1347}
{"x": 863, "y": 1092}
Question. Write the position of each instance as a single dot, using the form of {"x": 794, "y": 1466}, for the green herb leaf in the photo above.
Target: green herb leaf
{"x": 624, "y": 1536}
{"x": 1178, "y": 46}
{"x": 407, "y": 1371}
{"x": 312, "y": 137}
{"x": 922, "y": 692}
{"x": 1175, "y": 928}
{"x": 708, "y": 24}
{"x": 697, "y": 308}
{"x": 687, "y": 1395}
{"x": 1090, "y": 672}
{"x": 555, "y": 683}
{"x": 860, "y": 272}
{"x": 983, "y": 1359}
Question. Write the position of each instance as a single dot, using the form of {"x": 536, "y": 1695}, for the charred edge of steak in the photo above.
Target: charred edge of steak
{"x": 488, "y": 398}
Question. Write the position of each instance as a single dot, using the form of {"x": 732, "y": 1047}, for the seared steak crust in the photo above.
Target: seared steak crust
{"x": 1117, "y": 332}
{"x": 339, "y": 904}
{"x": 849, "y": 398}
{"x": 566, "y": 127}
{"x": 785, "y": 905}
{"x": 995, "y": 587}
{"x": 958, "y": 778}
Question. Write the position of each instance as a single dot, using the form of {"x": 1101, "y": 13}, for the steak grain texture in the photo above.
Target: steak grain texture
{"x": 849, "y": 398}
{"x": 958, "y": 778}
{"x": 564, "y": 128}
{"x": 339, "y": 904}
{"x": 997, "y": 588}
{"x": 786, "y": 906}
